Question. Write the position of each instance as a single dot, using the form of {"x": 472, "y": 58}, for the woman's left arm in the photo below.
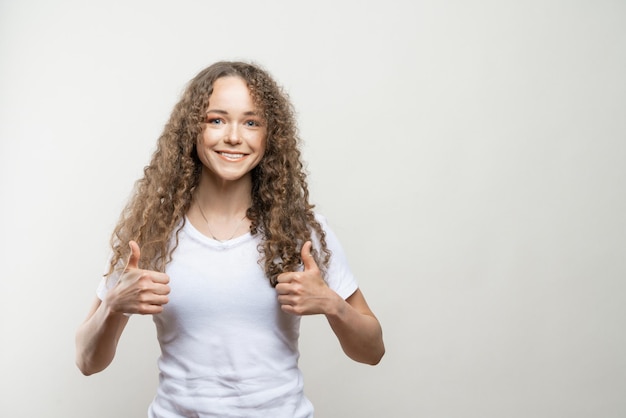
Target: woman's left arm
{"x": 357, "y": 329}
{"x": 353, "y": 322}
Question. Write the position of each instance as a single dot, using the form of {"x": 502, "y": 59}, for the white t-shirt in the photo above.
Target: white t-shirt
{"x": 227, "y": 349}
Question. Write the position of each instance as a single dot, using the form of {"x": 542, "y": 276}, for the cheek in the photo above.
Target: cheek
{"x": 203, "y": 143}
{"x": 263, "y": 142}
{"x": 206, "y": 137}
{"x": 199, "y": 144}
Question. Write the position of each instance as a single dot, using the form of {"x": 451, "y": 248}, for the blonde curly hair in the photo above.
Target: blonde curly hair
{"x": 280, "y": 209}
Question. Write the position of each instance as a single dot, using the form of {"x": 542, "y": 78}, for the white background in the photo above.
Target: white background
{"x": 470, "y": 155}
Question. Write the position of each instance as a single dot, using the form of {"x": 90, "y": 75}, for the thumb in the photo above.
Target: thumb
{"x": 135, "y": 254}
{"x": 307, "y": 257}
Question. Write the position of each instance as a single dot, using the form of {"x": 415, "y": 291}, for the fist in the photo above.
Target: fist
{"x": 138, "y": 291}
{"x": 306, "y": 292}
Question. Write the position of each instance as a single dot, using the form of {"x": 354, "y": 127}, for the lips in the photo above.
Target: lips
{"x": 231, "y": 155}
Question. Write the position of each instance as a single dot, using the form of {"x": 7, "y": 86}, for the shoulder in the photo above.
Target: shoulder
{"x": 339, "y": 275}
{"x": 328, "y": 230}
{"x": 321, "y": 219}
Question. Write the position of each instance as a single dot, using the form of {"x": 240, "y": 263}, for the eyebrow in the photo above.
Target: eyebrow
{"x": 223, "y": 112}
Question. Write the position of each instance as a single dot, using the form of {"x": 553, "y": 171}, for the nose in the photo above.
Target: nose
{"x": 233, "y": 136}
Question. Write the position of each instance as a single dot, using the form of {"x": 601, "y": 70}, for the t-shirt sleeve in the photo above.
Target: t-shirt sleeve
{"x": 107, "y": 282}
{"x": 339, "y": 276}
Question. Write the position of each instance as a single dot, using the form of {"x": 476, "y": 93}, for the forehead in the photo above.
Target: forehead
{"x": 231, "y": 90}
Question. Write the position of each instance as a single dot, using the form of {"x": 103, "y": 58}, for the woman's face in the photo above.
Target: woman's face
{"x": 233, "y": 140}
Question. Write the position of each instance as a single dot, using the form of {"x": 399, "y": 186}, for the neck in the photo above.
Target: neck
{"x": 219, "y": 207}
{"x": 224, "y": 199}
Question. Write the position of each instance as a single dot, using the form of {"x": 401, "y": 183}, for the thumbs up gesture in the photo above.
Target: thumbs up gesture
{"x": 306, "y": 292}
{"x": 138, "y": 291}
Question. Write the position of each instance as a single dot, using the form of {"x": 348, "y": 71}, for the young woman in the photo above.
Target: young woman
{"x": 221, "y": 245}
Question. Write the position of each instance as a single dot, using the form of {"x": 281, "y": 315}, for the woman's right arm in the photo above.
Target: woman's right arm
{"x": 136, "y": 292}
{"x": 97, "y": 337}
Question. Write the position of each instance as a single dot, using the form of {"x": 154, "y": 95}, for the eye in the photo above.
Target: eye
{"x": 214, "y": 121}
{"x": 253, "y": 123}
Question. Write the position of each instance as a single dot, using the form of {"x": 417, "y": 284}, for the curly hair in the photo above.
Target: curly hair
{"x": 280, "y": 209}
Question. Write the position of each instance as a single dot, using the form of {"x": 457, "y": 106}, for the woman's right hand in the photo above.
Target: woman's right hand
{"x": 138, "y": 291}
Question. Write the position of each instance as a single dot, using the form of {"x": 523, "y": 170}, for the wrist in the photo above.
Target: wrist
{"x": 109, "y": 310}
{"x": 336, "y": 306}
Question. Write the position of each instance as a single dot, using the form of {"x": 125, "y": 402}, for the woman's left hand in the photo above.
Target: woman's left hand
{"x": 306, "y": 292}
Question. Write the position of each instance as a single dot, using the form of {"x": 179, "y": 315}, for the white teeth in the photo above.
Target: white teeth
{"x": 233, "y": 156}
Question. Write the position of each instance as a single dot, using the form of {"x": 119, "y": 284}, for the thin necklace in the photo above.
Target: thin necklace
{"x": 209, "y": 228}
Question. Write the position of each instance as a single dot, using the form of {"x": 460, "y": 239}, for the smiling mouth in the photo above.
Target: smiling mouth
{"x": 231, "y": 156}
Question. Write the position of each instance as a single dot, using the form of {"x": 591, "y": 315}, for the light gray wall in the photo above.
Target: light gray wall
{"x": 469, "y": 154}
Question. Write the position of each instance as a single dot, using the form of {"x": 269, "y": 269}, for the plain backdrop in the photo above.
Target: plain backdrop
{"x": 470, "y": 155}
